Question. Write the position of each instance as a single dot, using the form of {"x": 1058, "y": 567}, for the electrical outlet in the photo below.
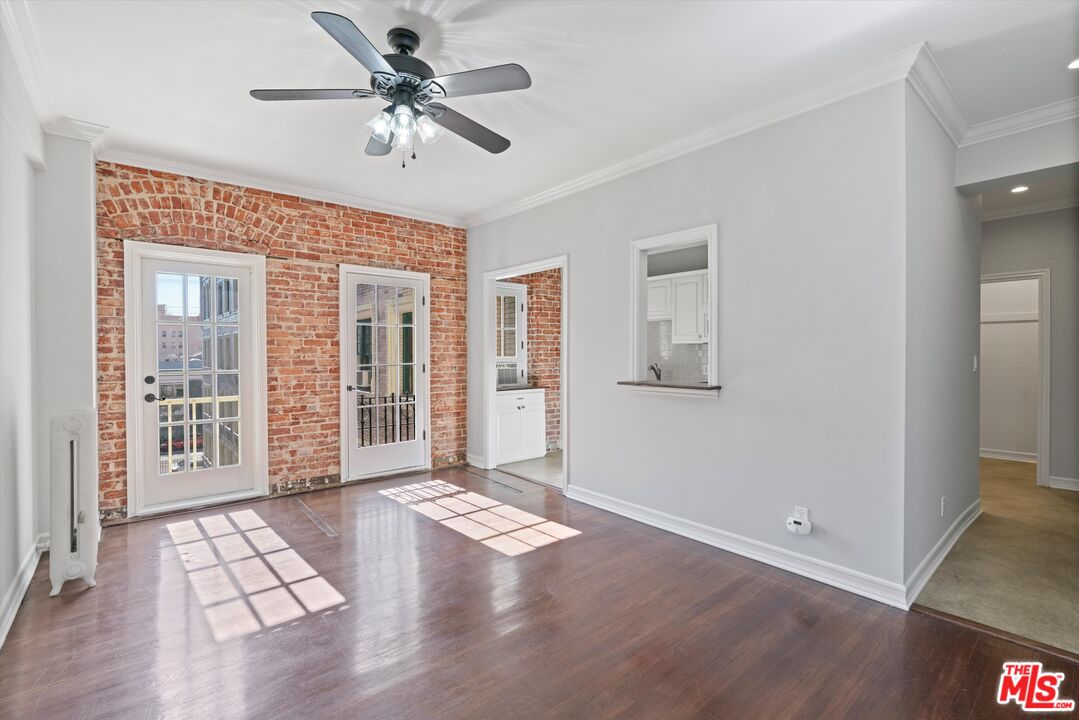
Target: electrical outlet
{"x": 942, "y": 506}
{"x": 801, "y": 513}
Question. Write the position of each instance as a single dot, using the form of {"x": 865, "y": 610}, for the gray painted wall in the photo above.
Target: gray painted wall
{"x": 942, "y": 290}
{"x": 1049, "y": 240}
{"x": 675, "y": 261}
{"x": 812, "y": 310}
{"x": 17, "y": 527}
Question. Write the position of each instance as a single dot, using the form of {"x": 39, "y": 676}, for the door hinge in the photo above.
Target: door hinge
{"x": 522, "y": 344}
{"x": 424, "y": 434}
{"x": 423, "y": 299}
{"x": 424, "y": 367}
{"x": 522, "y": 307}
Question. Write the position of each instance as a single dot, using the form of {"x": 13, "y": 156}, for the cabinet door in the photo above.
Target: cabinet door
{"x": 534, "y": 429}
{"x": 689, "y": 304}
{"x": 659, "y": 299}
{"x": 510, "y": 437}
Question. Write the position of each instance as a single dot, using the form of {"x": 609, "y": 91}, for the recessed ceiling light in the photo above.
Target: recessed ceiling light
{"x": 1074, "y": 64}
{"x": 1020, "y": 188}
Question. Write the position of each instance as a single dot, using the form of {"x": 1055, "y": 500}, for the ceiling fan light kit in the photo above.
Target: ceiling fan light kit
{"x": 412, "y": 90}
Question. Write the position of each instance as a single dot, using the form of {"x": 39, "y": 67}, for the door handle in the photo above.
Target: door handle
{"x": 150, "y": 397}
{"x": 352, "y": 388}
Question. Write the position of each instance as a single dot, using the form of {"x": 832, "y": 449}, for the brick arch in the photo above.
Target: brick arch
{"x": 137, "y": 204}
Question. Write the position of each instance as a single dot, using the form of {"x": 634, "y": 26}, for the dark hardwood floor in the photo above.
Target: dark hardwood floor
{"x": 621, "y": 621}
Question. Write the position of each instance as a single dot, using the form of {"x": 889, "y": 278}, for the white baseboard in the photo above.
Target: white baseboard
{"x": 1063, "y": 483}
{"x": 1009, "y": 455}
{"x": 870, "y": 586}
{"x": 474, "y": 460}
{"x": 932, "y": 561}
{"x": 42, "y": 541}
{"x": 9, "y": 606}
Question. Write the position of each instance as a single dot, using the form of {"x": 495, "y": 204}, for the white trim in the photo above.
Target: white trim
{"x": 870, "y": 586}
{"x": 890, "y": 69}
{"x": 1031, "y": 209}
{"x": 1009, "y": 317}
{"x": 489, "y": 394}
{"x": 78, "y": 130}
{"x": 9, "y": 606}
{"x": 519, "y": 291}
{"x": 42, "y": 541}
{"x": 125, "y": 156}
{"x": 1063, "y": 483}
{"x": 932, "y": 87}
{"x": 1013, "y": 455}
{"x": 21, "y": 113}
{"x": 474, "y": 460}
{"x": 920, "y": 576}
{"x": 424, "y": 357}
{"x": 135, "y": 253}
{"x": 1060, "y": 111}
{"x": 638, "y": 278}
{"x": 1044, "y": 357}
{"x": 673, "y": 391}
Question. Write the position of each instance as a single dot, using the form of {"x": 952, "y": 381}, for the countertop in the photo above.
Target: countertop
{"x": 680, "y": 386}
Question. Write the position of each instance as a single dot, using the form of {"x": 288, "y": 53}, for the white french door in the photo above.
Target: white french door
{"x": 195, "y": 377}
{"x": 384, "y": 393}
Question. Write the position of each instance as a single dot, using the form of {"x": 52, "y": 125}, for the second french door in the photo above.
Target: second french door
{"x": 384, "y": 394}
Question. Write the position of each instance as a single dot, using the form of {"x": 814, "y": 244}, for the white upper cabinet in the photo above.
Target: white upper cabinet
{"x": 659, "y": 299}
{"x": 681, "y": 298}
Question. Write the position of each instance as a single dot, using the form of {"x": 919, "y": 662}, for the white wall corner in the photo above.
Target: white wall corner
{"x": 78, "y": 130}
{"x": 474, "y": 460}
{"x": 42, "y": 542}
{"x": 844, "y": 578}
{"x": 932, "y": 87}
{"x": 929, "y": 564}
{"x": 9, "y": 604}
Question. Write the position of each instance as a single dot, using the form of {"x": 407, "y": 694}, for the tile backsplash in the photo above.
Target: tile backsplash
{"x": 681, "y": 363}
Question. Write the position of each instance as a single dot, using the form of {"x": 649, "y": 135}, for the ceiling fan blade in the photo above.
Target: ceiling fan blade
{"x": 342, "y": 94}
{"x": 498, "y": 78}
{"x": 350, "y": 38}
{"x": 374, "y": 147}
{"x": 467, "y": 128}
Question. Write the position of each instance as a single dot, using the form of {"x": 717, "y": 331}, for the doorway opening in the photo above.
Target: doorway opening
{"x": 525, "y": 309}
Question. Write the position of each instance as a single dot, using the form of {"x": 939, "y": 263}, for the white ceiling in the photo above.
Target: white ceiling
{"x": 610, "y": 79}
{"x": 1049, "y": 189}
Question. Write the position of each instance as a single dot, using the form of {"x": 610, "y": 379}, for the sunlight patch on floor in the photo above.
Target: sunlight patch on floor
{"x": 504, "y": 528}
{"x": 245, "y": 577}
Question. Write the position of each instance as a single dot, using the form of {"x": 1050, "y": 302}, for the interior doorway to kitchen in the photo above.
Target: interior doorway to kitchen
{"x": 525, "y": 388}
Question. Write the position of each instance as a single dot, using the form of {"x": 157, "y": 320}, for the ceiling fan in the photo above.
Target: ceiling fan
{"x": 412, "y": 89}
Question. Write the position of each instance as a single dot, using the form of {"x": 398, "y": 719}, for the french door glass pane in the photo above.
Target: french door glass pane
{"x": 365, "y": 303}
{"x": 406, "y": 305}
{"x": 198, "y": 298}
{"x": 198, "y": 351}
{"x": 228, "y": 347}
{"x": 387, "y": 304}
{"x": 406, "y": 421}
{"x": 171, "y": 450}
{"x": 364, "y": 345}
{"x": 228, "y": 304}
{"x": 201, "y": 443}
{"x": 228, "y": 443}
{"x": 170, "y": 347}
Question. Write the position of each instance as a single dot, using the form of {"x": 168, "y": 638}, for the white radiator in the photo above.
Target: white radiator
{"x": 76, "y": 528}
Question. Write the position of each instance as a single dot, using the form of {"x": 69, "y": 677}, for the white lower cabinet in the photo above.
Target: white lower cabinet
{"x": 522, "y": 424}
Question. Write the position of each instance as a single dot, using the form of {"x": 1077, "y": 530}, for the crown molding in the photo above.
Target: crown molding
{"x": 124, "y": 156}
{"x": 932, "y": 87}
{"x": 1050, "y": 114}
{"x": 890, "y": 69}
{"x": 21, "y": 30}
{"x": 1061, "y": 203}
{"x": 78, "y": 130}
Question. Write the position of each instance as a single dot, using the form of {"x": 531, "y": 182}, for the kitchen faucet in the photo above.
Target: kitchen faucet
{"x": 654, "y": 367}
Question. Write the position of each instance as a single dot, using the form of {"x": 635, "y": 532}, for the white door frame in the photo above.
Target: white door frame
{"x": 135, "y": 255}
{"x": 424, "y": 357}
{"x": 1044, "y": 359}
{"x": 490, "y": 427}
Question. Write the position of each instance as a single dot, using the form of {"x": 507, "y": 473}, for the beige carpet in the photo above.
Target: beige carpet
{"x": 1017, "y": 567}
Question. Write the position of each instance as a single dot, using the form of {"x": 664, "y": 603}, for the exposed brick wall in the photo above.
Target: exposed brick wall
{"x": 303, "y": 241}
{"x": 545, "y": 343}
